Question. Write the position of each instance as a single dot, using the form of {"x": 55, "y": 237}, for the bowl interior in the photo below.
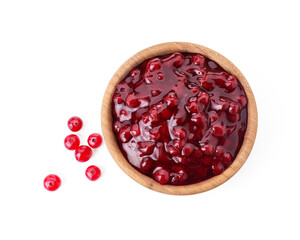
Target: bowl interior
{"x": 109, "y": 136}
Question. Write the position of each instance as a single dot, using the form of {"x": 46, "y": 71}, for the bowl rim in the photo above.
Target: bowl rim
{"x": 109, "y": 136}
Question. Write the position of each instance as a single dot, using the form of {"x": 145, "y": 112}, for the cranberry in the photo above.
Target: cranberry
{"x": 207, "y": 149}
{"x": 95, "y": 140}
{"x": 179, "y": 112}
{"x": 218, "y": 130}
{"x": 188, "y": 149}
{"x": 242, "y": 100}
{"x": 160, "y": 76}
{"x": 213, "y": 116}
{"x": 75, "y": 124}
{"x": 171, "y": 99}
{"x": 234, "y": 108}
{"x": 154, "y": 115}
{"x": 93, "y": 173}
{"x": 124, "y": 134}
{"x": 135, "y": 130}
{"x": 154, "y": 65}
{"x": 194, "y": 88}
{"x": 118, "y": 98}
{"x": 172, "y": 150}
{"x": 179, "y": 143}
{"x": 162, "y": 176}
{"x": 117, "y": 126}
{"x": 206, "y": 83}
{"x": 227, "y": 158}
{"x": 83, "y": 153}
{"x": 203, "y": 97}
{"x": 176, "y": 59}
{"x": 179, "y": 175}
{"x": 146, "y": 164}
{"x": 155, "y": 134}
{"x": 146, "y": 147}
{"x": 52, "y": 182}
{"x": 219, "y": 152}
{"x": 179, "y": 132}
{"x": 198, "y": 119}
{"x": 198, "y": 60}
{"x": 217, "y": 167}
{"x": 72, "y": 142}
{"x": 132, "y": 101}
{"x": 231, "y": 83}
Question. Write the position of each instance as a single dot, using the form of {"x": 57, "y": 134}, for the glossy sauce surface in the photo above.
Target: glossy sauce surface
{"x": 179, "y": 118}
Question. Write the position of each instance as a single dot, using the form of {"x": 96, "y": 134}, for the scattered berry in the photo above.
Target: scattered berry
{"x": 75, "y": 124}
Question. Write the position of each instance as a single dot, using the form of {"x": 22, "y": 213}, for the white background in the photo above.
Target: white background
{"x": 56, "y": 58}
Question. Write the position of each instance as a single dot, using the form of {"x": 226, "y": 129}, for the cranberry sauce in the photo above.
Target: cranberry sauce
{"x": 179, "y": 118}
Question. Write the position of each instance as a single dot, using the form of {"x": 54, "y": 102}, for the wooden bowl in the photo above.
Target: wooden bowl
{"x": 110, "y": 139}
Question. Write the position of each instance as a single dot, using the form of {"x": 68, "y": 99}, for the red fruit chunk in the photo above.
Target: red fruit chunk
{"x": 162, "y": 176}
{"x": 179, "y": 143}
{"x": 135, "y": 130}
{"x": 95, "y": 140}
{"x": 124, "y": 134}
{"x": 93, "y": 173}
{"x": 213, "y": 116}
{"x": 176, "y": 59}
{"x": 218, "y": 130}
{"x": 172, "y": 150}
{"x": 219, "y": 152}
{"x": 171, "y": 99}
{"x": 83, "y": 153}
{"x": 217, "y": 167}
{"x": 227, "y": 159}
{"x": 52, "y": 182}
{"x": 178, "y": 176}
{"x": 160, "y": 76}
{"x": 207, "y": 149}
{"x": 242, "y": 100}
{"x": 72, "y": 142}
{"x": 198, "y": 60}
{"x": 234, "y": 108}
{"x": 132, "y": 101}
{"x": 146, "y": 164}
{"x": 118, "y": 98}
{"x": 231, "y": 83}
{"x": 203, "y": 97}
{"x": 146, "y": 147}
{"x": 188, "y": 149}
{"x": 155, "y": 134}
{"x": 179, "y": 132}
{"x": 154, "y": 65}
{"x": 75, "y": 124}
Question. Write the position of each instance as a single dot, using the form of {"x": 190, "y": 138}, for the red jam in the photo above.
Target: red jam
{"x": 180, "y": 118}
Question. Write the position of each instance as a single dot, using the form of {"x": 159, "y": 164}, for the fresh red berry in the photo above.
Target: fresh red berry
{"x": 95, "y": 140}
{"x": 72, "y": 142}
{"x": 83, "y": 153}
{"x": 75, "y": 124}
{"x": 52, "y": 182}
{"x": 93, "y": 173}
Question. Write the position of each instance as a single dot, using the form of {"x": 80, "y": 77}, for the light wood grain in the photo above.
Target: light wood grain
{"x": 110, "y": 140}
